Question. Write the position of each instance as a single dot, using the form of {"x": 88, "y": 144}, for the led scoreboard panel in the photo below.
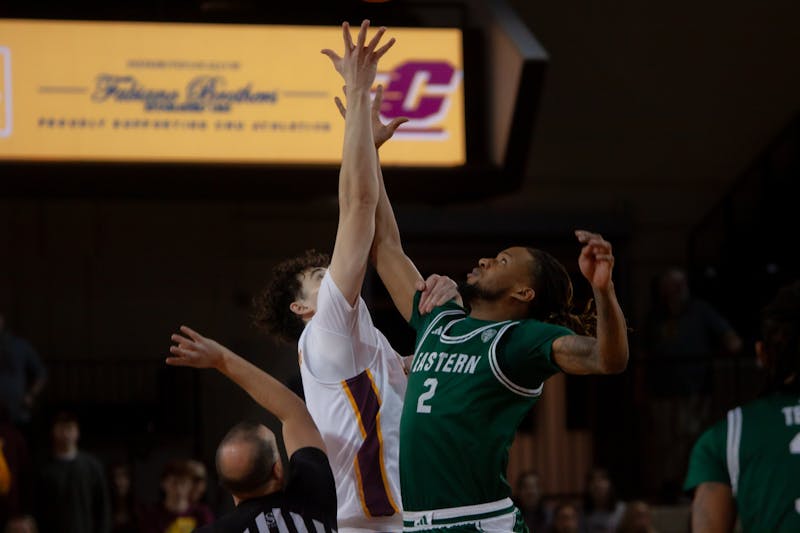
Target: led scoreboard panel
{"x": 156, "y": 92}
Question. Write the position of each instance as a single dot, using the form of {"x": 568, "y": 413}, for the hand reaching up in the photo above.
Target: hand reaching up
{"x": 359, "y": 63}
{"x": 380, "y": 132}
{"x": 195, "y": 351}
{"x": 436, "y": 290}
{"x": 596, "y": 261}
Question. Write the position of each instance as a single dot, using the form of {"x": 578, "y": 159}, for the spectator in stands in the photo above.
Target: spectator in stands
{"x": 71, "y": 491}
{"x": 566, "y": 518}
{"x": 682, "y": 335}
{"x": 748, "y": 463}
{"x": 199, "y": 485}
{"x": 21, "y": 524}
{"x": 602, "y": 511}
{"x": 528, "y": 499}
{"x": 14, "y": 470}
{"x": 125, "y": 512}
{"x": 637, "y": 518}
{"x": 175, "y": 512}
{"x": 22, "y": 375}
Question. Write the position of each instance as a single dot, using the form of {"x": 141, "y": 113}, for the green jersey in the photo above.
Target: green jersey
{"x": 470, "y": 384}
{"x": 755, "y": 450}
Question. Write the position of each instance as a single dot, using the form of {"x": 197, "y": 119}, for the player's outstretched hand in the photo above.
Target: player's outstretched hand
{"x": 436, "y": 290}
{"x": 194, "y": 350}
{"x": 380, "y": 132}
{"x": 359, "y": 63}
{"x": 596, "y": 261}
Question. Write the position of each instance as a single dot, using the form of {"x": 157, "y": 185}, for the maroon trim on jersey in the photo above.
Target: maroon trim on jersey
{"x": 373, "y": 486}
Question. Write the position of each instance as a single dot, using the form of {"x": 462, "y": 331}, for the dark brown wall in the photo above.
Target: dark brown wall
{"x": 652, "y": 109}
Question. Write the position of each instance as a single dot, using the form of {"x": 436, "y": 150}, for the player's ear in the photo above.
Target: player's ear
{"x": 523, "y": 294}
{"x": 298, "y": 308}
{"x": 277, "y": 470}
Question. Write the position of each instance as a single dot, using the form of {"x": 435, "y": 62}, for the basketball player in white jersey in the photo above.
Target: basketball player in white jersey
{"x": 353, "y": 380}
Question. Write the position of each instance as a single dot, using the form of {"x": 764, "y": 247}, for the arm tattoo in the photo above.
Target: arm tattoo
{"x": 576, "y": 354}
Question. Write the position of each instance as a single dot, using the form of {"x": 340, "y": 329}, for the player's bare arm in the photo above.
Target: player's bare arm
{"x": 193, "y": 350}
{"x": 436, "y": 290}
{"x": 358, "y": 182}
{"x": 713, "y": 509}
{"x": 398, "y": 273}
{"x": 607, "y": 353}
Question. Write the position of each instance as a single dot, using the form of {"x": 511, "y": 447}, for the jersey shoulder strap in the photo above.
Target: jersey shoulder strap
{"x": 733, "y": 443}
{"x": 498, "y": 372}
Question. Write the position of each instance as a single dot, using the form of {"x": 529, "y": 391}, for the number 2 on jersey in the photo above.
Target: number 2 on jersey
{"x": 431, "y": 383}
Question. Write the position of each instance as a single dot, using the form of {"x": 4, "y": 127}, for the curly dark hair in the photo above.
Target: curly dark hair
{"x": 271, "y": 311}
{"x": 553, "y": 302}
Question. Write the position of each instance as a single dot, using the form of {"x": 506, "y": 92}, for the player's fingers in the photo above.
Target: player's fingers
{"x": 196, "y": 337}
{"x": 450, "y": 289}
{"x": 439, "y": 297}
{"x": 377, "y": 101}
{"x": 348, "y": 39}
{"x": 181, "y": 340}
{"x": 340, "y": 105}
{"x": 182, "y": 349}
{"x": 383, "y": 49}
{"x": 431, "y": 281}
{"x": 362, "y": 34}
{"x": 176, "y": 361}
{"x": 604, "y": 257}
{"x": 423, "y": 300}
{"x": 434, "y": 293}
{"x": 445, "y": 292}
{"x": 396, "y": 123}
{"x": 586, "y": 236}
{"x": 333, "y": 56}
{"x": 600, "y": 246}
{"x": 375, "y": 39}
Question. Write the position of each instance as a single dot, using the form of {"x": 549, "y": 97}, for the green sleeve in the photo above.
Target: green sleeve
{"x": 526, "y": 355}
{"x": 420, "y": 322}
{"x": 708, "y": 459}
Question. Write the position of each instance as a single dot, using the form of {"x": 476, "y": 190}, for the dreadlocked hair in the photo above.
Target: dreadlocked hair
{"x": 780, "y": 330}
{"x": 271, "y": 311}
{"x": 553, "y": 300}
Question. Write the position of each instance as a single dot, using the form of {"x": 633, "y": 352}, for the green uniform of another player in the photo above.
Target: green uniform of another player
{"x": 470, "y": 384}
{"x": 755, "y": 450}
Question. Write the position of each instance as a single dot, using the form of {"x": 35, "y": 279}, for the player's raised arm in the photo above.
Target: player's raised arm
{"x": 607, "y": 353}
{"x": 396, "y": 270}
{"x": 194, "y": 350}
{"x": 358, "y": 181}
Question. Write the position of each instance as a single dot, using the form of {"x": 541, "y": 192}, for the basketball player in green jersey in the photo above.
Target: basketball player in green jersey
{"x": 474, "y": 375}
{"x": 749, "y": 463}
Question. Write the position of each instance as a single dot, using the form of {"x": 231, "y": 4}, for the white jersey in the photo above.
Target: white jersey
{"x": 354, "y": 385}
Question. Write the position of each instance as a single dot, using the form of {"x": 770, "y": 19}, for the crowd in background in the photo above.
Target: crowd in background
{"x": 598, "y": 511}
{"x": 71, "y": 491}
